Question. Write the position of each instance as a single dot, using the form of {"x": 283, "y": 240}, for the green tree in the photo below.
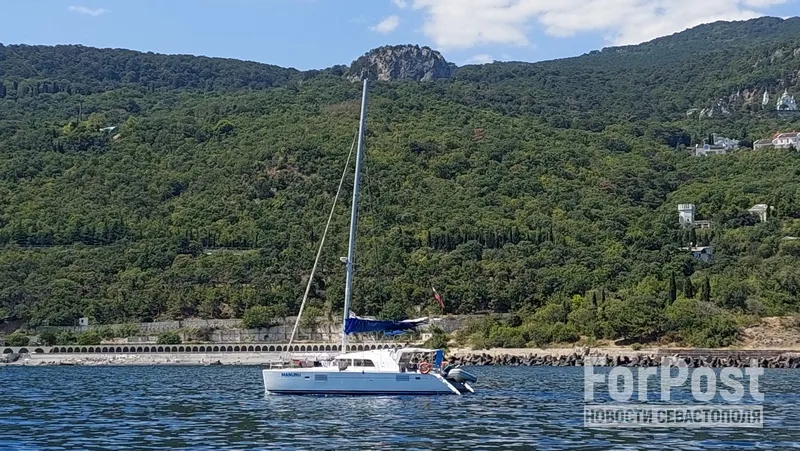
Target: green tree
{"x": 89, "y": 338}
{"x": 705, "y": 291}
{"x": 65, "y": 337}
{"x": 17, "y": 339}
{"x": 169, "y": 338}
{"x": 673, "y": 288}
{"x": 688, "y": 288}
{"x": 47, "y": 338}
{"x": 259, "y": 317}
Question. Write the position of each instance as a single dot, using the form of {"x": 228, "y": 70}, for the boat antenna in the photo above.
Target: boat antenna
{"x": 350, "y": 260}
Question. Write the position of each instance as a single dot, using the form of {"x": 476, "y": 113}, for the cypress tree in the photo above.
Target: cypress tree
{"x": 705, "y": 292}
{"x": 673, "y": 288}
{"x": 594, "y": 300}
{"x": 688, "y": 288}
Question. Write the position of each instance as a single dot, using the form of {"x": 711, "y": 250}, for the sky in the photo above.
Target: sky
{"x": 315, "y": 34}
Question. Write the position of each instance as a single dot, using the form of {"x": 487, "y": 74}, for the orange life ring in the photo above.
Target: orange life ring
{"x": 424, "y": 367}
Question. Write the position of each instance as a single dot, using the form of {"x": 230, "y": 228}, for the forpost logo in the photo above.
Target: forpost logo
{"x": 726, "y": 398}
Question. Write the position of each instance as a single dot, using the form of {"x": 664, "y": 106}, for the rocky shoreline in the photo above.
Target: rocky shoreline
{"x": 737, "y": 360}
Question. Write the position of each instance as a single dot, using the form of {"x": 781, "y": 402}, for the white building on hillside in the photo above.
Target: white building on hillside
{"x": 702, "y": 253}
{"x": 762, "y": 143}
{"x": 760, "y": 210}
{"x": 786, "y": 102}
{"x": 686, "y": 214}
{"x": 720, "y": 146}
{"x": 786, "y": 140}
{"x": 686, "y": 217}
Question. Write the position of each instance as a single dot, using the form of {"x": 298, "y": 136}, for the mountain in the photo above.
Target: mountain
{"x": 401, "y": 63}
{"x": 137, "y": 187}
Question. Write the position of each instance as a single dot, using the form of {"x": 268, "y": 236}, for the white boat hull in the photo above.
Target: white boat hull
{"x": 321, "y": 381}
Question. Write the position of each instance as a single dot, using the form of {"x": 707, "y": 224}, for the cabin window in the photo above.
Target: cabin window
{"x": 369, "y": 363}
{"x": 363, "y": 363}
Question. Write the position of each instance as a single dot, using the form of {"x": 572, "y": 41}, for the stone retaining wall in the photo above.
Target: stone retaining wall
{"x": 231, "y": 331}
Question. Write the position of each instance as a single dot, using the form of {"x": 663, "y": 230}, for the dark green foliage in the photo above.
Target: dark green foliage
{"x": 65, "y": 338}
{"x": 705, "y": 290}
{"x": 169, "y": 338}
{"x": 439, "y": 338}
{"x": 688, "y": 288}
{"x": 701, "y": 324}
{"x": 512, "y": 188}
{"x": 48, "y": 338}
{"x": 17, "y": 339}
{"x": 260, "y": 317}
{"x": 89, "y": 338}
{"x": 125, "y": 331}
{"x": 673, "y": 288}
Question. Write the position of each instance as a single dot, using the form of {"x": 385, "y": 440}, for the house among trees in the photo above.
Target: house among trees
{"x": 702, "y": 253}
{"x": 779, "y": 141}
{"x": 760, "y": 210}
{"x": 686, "y": 217}
{"x": 787, "y": 140}
{"x": 762, "y": 144}
{"x": 716, "y": 145}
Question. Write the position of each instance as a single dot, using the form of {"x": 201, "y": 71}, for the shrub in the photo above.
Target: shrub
{"x": 701, "y": 324}
{"x": 89, "y": 338}
{"x": 128, "y": 330}
{"x": 106, "y": 332}
{"x": 564, "y": 333}
{"x": 552, "y": 313}
{"x": 636, "y": 346}
{"x": 259, "y": 317}
{"x": 439, "y": 338}
{"x": 506, "y": 337}
{"x": 474, "y": 328}
{"x": 47, "y": 338}
{"x": 169, "y": 338}
{"x": 65, "y": 337}
{"x": 542, "y": 334}
{"x": 311, "y": 316}
{"x": 17, "y": 339}
{"x": 204, "y": 333}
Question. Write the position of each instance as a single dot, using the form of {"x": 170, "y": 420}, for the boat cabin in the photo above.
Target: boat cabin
{"x": 401, "y": 360}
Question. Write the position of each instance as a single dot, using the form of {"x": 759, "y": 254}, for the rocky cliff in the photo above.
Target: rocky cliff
{"x": 401, "y": 63}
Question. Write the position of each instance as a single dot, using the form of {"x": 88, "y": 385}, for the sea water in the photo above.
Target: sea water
{"x": 225, "y": 408}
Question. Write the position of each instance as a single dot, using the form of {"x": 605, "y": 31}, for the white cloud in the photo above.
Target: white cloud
{"x": 94, "y": 12}
{"x": 402, "y": 4}
{"x": 462, "y": 24}
{"x": 387, "y": 25}
{"x": 480, "y": 59}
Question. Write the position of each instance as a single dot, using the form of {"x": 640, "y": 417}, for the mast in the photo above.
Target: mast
{"x": 348, "y": 289}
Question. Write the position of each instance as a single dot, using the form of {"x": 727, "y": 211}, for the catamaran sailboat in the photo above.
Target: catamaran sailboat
{"x": 405, "y": 371}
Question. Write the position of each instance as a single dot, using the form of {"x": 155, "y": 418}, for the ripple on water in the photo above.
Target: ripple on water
{"x": 93, "y": 408}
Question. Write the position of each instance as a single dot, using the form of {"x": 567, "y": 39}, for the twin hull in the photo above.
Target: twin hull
{"x": 298, "y": 382}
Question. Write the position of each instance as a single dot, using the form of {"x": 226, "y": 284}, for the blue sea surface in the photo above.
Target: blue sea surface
{"x": 225, "y": 408}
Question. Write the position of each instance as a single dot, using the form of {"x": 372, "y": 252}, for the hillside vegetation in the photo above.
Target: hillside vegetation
{"x": 547, "y": 189}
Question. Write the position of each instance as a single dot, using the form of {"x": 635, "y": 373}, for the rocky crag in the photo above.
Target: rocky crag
{"x": 401, "y": 63}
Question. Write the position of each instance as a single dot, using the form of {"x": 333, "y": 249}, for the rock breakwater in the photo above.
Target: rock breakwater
{"x": 739, "y": 360}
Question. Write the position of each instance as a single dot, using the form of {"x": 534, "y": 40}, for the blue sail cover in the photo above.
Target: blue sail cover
{"x": 360, "y": 326}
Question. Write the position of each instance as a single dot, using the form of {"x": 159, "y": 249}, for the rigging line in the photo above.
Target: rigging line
{"x": 322, "y": 243}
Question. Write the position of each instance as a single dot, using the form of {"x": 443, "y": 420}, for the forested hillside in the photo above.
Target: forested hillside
{"x": 138, "y": 187}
